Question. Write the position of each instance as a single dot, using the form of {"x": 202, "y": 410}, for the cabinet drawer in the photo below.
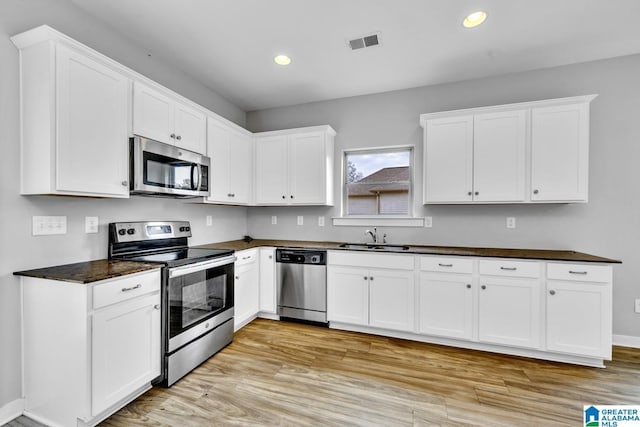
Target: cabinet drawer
{"x": 579, "y": 272}
{"x": 246, "y": 257}
{"x": 510, "y": 268}
{"x": 367, "y": 260}
{"x": 125, "y": 288}
{"x": 446, "y": 265}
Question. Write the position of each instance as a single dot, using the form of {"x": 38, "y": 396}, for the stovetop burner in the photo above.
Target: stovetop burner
{"x": 180, "y": 257}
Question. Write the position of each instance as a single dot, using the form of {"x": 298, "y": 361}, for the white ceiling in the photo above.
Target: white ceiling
{"x": 229, "y": 45}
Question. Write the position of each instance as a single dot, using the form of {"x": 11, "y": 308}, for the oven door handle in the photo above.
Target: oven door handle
{"x": 200, "y": 266}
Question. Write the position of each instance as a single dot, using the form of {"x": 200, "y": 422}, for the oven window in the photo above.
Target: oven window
{"x": 166, "y": 172}
{"x": 198, "y": 296}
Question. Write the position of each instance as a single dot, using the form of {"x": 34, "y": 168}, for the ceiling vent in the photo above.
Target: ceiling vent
{"x": 365, "y": 41}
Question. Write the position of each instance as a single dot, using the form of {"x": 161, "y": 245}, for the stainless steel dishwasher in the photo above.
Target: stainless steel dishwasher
{"x": 301, "y": 280}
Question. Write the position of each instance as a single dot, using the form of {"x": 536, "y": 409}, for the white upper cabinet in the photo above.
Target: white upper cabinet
{"x": 160, "y": 116}
{"x": 295, "y": 167}
{"x": 74, "y": 111}
{"x": 560, "y": 153}
{"x": 231, "y": 151}
{"x": 533, "y": 152}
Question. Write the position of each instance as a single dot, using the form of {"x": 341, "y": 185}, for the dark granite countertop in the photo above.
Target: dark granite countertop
{"x": 539, "y": 254}
{"x": 88, "y": 272}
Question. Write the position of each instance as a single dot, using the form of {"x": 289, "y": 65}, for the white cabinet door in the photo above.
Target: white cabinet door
{"x": 190, "y": 128}
{"x": 246, "y": 294}
{"x": 241, "y": 167}
{"x": 446, "y": 305}
{"x": 267, "y": 280}
{"x": 92, "y": 148}
{"x": 499, "y": 156}
{"x": 509, "y": 311}
{"x": 560, "y": 153}
{"x": 579, "y": 318}
{"x": 348, "y": 295}
{"x": 153, "y": 114}
{"x": 272, "y": 170}
{"x": 448, "y": 160}
{"x": 219, "y": 151}
{"x": 307, "y": 168}
{"x": 391, "y": 299}
{"x": 125, "y": 350}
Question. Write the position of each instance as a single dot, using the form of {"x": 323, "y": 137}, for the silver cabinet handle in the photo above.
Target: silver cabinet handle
{"x": 577, "y": 272}
{"x": 292, "y": 196}
{"x": 483, "y": 287}
{"x": 366, "y": 278}
{"x": 552, "y": 292}
{"x": 246, "y": 257}
{"x": 138, "y": 286}
{"x": 370, "y": 277}
{"x": 156, "y": 306}
{"x": 283, "y": 196}
{"x": 468, "y": 286}
{"x": 178, "y": 137}
{"x": 476, "y": 193}
{"x": 173, "y": 136}
{"x": 469, "y": 193}
{"x": 237, "y": 277}
{"x": 124, "y": 183}
{"x": 445, "y": 265}
{"x": 270, "y": 256}
{"x": 535, "y": 191}
{"x": 508, "y": 268}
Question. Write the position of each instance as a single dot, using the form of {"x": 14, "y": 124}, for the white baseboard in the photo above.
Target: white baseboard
{"x": 11, "y": 411}
{"x": 626, "y": 341}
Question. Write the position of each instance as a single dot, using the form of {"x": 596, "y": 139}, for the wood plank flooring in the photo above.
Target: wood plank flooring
{"x": 287, "y": 374}
{"x": 280, "y": 373}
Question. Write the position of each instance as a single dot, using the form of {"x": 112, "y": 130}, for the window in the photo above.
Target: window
{"x": 378, "y": 182}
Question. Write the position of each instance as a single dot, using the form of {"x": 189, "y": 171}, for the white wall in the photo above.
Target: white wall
{"x": 18, "y": 249}
{"x": 609, "y": 225}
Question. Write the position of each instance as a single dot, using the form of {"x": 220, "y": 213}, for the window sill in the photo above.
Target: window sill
{"x": 368, "y": 221}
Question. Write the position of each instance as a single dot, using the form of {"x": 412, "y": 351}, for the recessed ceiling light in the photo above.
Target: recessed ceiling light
{"x": 282, "y": 60}
{"x": 474, "y": 19}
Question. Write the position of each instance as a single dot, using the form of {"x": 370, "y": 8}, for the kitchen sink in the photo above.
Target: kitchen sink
{"x": 375, "y": 247}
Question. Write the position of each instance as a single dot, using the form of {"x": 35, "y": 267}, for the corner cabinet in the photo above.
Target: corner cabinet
{"x": 246, "y": 288}
{"x": 533, "y": 152}
{"x": 231, "y": 151}
{"x": 294, "y": 166}
{"x": 74, "y": 118}
{"x": 89, "y": 349}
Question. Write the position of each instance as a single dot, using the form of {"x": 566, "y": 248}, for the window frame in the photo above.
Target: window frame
{"x": 369, "y": 220}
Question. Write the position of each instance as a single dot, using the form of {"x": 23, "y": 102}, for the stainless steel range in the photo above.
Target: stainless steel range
{"x": 197, "y": 291}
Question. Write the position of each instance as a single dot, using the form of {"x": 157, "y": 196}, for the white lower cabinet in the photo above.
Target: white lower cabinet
{"x": 368, "y": 296}
{"x": 578, "y": 301}
{"x": 246, "y": 288}
{"x": 446, "y": 305}
{"x": 267, "y": 281}
{"x": 89, "y": 349}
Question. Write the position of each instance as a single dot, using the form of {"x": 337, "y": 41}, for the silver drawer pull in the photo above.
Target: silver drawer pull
{"x": 156, "y": 306}
{"x": 508, "y": 268}
{"x": 577, "y": 272}
{"x": 445, "y": 265}
{"x": 246, "y": 257}
{"x": 138, "y": 286}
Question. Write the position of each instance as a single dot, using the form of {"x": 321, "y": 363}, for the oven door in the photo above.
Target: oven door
{"x": 200, "y": 297}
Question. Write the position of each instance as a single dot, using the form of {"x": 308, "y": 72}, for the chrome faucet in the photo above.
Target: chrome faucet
{"x": 374, "y": 234}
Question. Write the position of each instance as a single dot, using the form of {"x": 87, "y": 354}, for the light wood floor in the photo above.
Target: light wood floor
{"x": 280, "y": 373}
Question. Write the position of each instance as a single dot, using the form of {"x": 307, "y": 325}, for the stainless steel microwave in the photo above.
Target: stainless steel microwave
{"x": 159, "y": 169}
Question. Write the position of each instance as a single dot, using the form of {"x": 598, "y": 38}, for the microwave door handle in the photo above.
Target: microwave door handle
{"x": 195, "y": 178}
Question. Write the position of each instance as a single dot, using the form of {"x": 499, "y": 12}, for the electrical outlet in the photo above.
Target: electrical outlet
{"x": 428, "y": 222}
{"x": 638, "y": 305}
{"x": 511, "y": 222}
{"x": 90, "y": 224}
{"x": 320, "y": 221}
{"x": 300, "y": 220}
{"x": 274, "y": 220}
{"x": 46, "y": 225}
{"x": 209, "y": 220}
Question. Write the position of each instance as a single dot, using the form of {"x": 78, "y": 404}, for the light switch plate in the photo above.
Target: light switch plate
{"x": 320, "y": 221}
{"x": 428, "y": 222}
{"x": 300, "y": 220}
{"x": 91, "y": 224}
{"x": 274, "y": 220}
{"x": 47, "y": 225}
{"x": 209, "y": 220}
{"x": 511, "y": 222}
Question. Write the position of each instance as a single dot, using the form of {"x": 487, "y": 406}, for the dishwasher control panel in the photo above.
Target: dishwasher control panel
{"x": 301, "y": 256}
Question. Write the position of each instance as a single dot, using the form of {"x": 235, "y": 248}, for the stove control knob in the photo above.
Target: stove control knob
{"x": 131, "y": 231}
{"x": 122, "y": 232}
